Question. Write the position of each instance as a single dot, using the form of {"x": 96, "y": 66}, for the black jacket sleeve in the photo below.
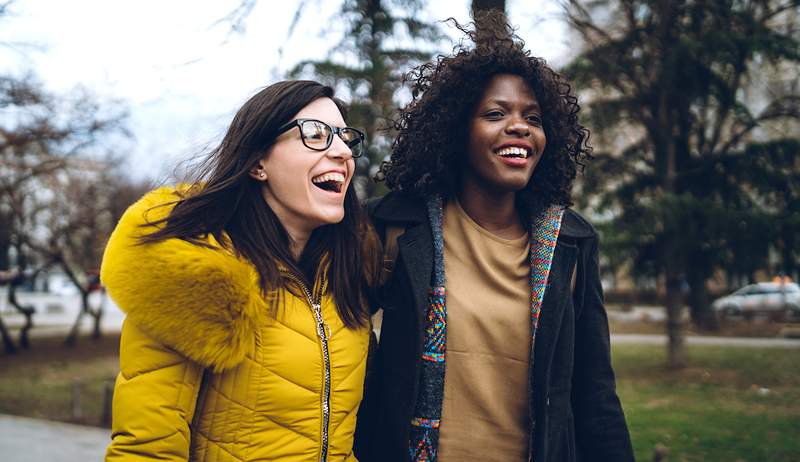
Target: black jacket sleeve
{"x": 601, "y": 431}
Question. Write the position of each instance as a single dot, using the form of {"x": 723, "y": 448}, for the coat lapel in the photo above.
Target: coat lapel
{"x": 415, "y": 248}
{"x": 556, "y": 298}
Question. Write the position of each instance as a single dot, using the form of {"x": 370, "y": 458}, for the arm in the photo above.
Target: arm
{"x": 601, "y": 431}
{"x": 154, "y": 401}
{"x": 366, "y": 420}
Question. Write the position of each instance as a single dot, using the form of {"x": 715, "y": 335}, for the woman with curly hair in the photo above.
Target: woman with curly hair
{"x": 494, "y": 344}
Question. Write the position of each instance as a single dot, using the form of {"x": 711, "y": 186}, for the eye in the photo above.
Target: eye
{"x": 350, "y": 137}
{"x": 535, "y": 120}
{"x": 315, "y": 131}
{"x": 494, "y": 114}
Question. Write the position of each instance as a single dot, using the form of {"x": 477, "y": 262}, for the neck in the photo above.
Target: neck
{"x": 494, "y": 212}
{"x": 297, "y": 241}
{"x": 298, "y": 229}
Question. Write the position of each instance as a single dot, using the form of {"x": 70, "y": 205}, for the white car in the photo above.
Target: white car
{"x": 770, "y": 298}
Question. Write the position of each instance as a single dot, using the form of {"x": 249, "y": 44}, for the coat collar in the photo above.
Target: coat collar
{"x": 203, "y": 301}
{"x": 400, "y": 208}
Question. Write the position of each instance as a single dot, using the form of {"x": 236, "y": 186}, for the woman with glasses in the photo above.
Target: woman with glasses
{"x": 247, "y": 327}
{"x": 494, "y": 344}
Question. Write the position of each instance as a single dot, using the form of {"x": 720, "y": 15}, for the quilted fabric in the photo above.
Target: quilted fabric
{"x": 192, "y": 309}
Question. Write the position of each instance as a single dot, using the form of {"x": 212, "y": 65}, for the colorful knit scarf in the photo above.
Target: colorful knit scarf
{"x": 424, "y": 438}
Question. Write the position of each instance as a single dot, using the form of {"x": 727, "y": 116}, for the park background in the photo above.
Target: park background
{"x": 695, "y": 187}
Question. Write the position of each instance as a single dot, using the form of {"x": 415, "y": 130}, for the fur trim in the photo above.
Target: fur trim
{"x": 204, "y": 303}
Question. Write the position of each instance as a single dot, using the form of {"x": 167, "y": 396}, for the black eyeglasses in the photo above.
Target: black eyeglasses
{"x": 318, "y": 135}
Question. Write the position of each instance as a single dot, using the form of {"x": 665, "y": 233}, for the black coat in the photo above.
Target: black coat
{"x": 576, "y": 414}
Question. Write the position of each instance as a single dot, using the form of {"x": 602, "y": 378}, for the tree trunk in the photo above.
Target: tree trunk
{"x": 26, "y": 310}
{"x": 788, "y": 264}
{"x": 72, "y": 337}
{"x": 703, "y": 316}
{"x": 8, "y": 343}
{"x": 677, "y": 356}
{"x": 97, "y": 315}
{"x": 5, "y": 241}
{"x": 96, "y": 333}
{"x": 485, "y": 5}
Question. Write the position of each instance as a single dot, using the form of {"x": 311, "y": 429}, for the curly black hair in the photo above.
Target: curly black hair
{"x": 427, "y": 155}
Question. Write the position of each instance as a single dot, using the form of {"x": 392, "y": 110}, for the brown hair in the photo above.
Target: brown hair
{"x": 227, "y": 204}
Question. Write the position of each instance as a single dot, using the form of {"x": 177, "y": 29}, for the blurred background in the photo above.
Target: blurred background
{"x": 694, "y": 108}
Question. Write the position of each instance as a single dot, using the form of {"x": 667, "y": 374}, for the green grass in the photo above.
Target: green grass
{"x": 39, "y": 382}
{"x": 732, "y": 404}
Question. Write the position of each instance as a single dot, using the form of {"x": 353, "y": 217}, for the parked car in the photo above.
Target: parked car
{"x": 771, "y": 298}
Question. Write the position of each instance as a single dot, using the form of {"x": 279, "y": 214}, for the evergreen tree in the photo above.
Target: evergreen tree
{"x": 485, "y": 5}
{"x": 367, "y": 67}
{"x": 693, "y": 165}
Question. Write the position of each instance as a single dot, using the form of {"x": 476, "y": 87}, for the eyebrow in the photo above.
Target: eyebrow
{"x": 505, "y": 104}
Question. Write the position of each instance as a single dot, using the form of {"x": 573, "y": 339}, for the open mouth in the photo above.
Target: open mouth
{"x": 331, "y": 182}
{"x": 514, "y": 153}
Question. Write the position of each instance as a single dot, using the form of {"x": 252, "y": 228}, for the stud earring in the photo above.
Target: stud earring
{"x": 262, "y": 175}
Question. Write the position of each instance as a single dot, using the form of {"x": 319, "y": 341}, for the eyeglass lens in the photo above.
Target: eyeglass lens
{"x": 318, "y": 135}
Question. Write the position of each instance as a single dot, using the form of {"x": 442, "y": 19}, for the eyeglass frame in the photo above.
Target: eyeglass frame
{"x": 337, "y": 131}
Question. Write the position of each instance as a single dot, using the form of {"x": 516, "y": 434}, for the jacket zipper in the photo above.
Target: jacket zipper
{"x": 323, "y": 332}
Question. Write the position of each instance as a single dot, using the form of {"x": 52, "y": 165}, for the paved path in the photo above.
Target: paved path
{"x": 720, "y": 341}
{"x": 31, "y": 440}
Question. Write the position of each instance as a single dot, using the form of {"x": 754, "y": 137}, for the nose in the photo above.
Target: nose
{"x": 339, "y": 149}
{"x": 517, "y": 125}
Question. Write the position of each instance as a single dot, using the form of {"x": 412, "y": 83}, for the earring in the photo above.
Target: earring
{"x": 262, "y": 175}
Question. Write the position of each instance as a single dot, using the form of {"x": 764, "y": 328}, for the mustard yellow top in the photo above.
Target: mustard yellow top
{"x": 485, "y": 410}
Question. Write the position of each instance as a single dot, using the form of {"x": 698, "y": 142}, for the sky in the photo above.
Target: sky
{"x": 182, "y": 73}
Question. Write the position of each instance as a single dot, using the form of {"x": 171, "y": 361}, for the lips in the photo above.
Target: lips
{"x": 329, "y": 181}
{"x": 514, "y": 150}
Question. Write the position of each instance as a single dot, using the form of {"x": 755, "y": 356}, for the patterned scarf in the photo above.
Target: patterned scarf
{"x": 424, "y": 438}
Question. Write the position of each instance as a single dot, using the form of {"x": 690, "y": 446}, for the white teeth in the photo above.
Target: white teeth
{"x": 514, "y": 151}
{"x": 326, "y": 177}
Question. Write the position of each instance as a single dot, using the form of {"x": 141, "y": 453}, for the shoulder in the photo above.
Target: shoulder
{"x": 397, "y": 207}
{"x": 574, "y": 225}
{"x": 202, "y": 301}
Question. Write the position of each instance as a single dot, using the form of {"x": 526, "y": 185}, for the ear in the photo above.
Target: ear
{"x": 258, "y": 172}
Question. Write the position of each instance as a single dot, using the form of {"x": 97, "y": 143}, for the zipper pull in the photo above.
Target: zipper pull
{"x": 323, "y": 329}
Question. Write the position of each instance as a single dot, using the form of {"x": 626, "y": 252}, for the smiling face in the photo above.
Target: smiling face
{"x": 506, "y": 138}
{"x": 303, "y": 187}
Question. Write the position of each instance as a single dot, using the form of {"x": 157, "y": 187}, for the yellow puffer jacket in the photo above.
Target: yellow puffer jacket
{"x": 195, "y": 312}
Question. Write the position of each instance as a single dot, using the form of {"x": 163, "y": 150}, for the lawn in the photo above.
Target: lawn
{"x": 732, "y": 404}
{"x": 43, "y": 381}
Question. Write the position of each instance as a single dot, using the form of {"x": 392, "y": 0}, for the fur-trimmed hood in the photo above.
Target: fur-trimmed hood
{"x": 204, "y": 303}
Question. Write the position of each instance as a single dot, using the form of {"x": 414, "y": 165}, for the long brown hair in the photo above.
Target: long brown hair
{"x": 226, "y": 203}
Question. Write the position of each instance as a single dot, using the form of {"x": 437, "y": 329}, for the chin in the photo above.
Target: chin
{"x": 513, "y": 184}
{"x": 330, "y": 217}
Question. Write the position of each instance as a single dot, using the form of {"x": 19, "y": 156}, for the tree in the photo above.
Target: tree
{"x": 485, "y": 5}
{"x": 684, "y": 168}
{"x": 47, "y": 145}
{"x": 368, "y": 64}
{"x": 86, "y": 212}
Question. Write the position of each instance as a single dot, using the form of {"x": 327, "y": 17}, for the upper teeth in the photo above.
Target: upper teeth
{"x": 325, "y": 177}
{"x": 512, "y": 151}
